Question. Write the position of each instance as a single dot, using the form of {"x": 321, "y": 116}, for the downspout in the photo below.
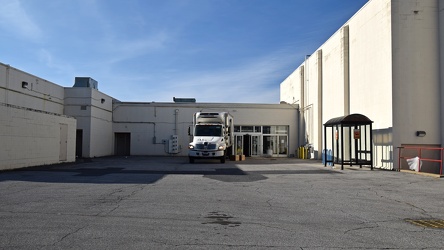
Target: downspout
{"x": 346, "y": 68}
{"x": 320, "y": 103}
{"x": 441, "y": 63}
{"x": 302, "y": 109}
{"x": 176, "y": 113}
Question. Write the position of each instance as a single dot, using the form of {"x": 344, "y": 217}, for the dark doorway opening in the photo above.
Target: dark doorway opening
{"x": 122, "y": 144}
{"x": 247, "y": 145}
{"x": 79, "y": 143}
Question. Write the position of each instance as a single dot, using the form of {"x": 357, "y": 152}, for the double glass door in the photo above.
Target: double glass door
{"x": 248, "y": 145}
{"x": 275, "y": 145}
{"x": 256, "y": 145}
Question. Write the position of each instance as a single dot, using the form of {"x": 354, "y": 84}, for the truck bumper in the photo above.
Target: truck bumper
{"x": 205, "y": 154}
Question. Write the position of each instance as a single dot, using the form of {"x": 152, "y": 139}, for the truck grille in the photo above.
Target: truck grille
{"x": 208, "y": 146}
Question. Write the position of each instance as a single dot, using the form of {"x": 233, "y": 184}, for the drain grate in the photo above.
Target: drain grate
{"x": 428, "y": 223}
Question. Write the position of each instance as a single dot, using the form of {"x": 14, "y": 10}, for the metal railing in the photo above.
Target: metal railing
{"x": 420, "y": 153}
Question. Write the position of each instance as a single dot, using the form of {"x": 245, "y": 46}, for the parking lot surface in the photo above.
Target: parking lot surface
{"x": 263, "y": 203}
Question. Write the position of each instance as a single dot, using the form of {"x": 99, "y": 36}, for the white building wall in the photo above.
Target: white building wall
{"x": 333, "y": 78}
{"x": 313, "y": 109}
{"x": 290, "y": 88}
{"x": 370, "y": 63}
{"x": 31, "y": 138}
{"x": 382, "y": 63}
{"x": 39, "y": 94}
{"x": 416, "y": 83}
{"x": 94, "y": 118}
{"x": 101, "y": 125}
{"x": 441, "y": 63}
{"x": 152, "y": 124}
{"x": 33, "y": 129}
{"x": 371, "y": 74}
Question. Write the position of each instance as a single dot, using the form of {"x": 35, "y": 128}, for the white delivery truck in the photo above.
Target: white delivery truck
{"x": 212, "y": 134}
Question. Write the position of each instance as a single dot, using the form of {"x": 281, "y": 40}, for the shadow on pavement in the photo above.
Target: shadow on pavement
{"x": 140, "y": 170}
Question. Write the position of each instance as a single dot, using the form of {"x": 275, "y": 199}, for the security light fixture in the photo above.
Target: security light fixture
{"x": 102, "y": 100}
{"x": 420, "y": 133}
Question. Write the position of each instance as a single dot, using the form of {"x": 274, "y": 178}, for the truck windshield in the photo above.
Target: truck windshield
{"x": 208, "y": 130}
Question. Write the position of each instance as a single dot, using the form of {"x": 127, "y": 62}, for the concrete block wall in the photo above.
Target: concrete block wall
{"x": 33, "y": 129}
{"x": 30, "y": 138}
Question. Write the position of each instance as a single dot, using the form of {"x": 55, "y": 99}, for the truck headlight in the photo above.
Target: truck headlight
{"x": 190, "y": 146}
{"x": 221, "y": 147}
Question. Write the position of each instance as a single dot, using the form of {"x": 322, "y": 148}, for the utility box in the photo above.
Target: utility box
{"x": 173, "y": 145}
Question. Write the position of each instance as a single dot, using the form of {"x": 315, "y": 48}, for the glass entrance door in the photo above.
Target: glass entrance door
{"x": 270, "y": 145}
{"x": 283, "y": 145}
{"x": 255, "y": 145}
{"x": 275, "y": 145}
{"x": 239, "y": 147}
{"x": 248, "y": 145}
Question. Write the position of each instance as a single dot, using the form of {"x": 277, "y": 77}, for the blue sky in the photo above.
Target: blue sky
{"x": 228, "y": 51}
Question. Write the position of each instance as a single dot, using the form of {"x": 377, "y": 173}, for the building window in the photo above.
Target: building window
{"x": 236, "y": 128}
{"x": 247, "y": 129}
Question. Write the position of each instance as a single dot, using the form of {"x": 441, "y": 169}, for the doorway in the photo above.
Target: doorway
{"x": 261, "y": 141}
{"x": 79, "y": 143}
{"x": 276, "y": 145}
{"x": 246, "y": 148}
{"x": 63, "y": 150}
{"x": 122, "y": 144}
{"x": 248, "y": 145}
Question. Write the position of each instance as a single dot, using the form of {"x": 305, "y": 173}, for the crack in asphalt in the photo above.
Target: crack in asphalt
{"x": 69, "y": 234}
{"x": 119, "y": 198}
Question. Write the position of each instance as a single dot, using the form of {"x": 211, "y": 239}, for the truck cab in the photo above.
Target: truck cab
{"x": 212, "y": 136}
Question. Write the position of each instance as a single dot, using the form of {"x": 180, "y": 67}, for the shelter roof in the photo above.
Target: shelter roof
{"x": 353, "y": 119}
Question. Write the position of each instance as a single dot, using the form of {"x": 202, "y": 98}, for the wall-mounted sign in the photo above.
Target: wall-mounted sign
{"x": 357, "y": 133}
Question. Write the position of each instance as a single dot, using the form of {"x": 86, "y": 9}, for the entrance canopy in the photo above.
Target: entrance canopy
{"x": 350, "y": 141}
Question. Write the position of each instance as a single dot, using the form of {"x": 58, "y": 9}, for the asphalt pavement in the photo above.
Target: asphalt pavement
{"x": 260, "y": 203}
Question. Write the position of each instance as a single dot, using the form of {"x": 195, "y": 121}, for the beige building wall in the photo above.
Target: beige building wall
{"x": 28, "y": 91}
{"x": 93, "y": 111}
{"x": 371, "y": 74}
{"x": 291, "y": 88}
{"x": 33, "y": 129}
{"x": 382, "y": 63}
{"x": 441, "y": 63}
{"x": 151, "y": 125}
{"x": 416, "y": 75}
{"x": 333, "y": 77}
{"x": 291, "y": 92}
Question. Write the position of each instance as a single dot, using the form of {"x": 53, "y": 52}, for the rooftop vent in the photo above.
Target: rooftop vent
{"x": 86, "y": 82}
{"x": 184, "y": 100}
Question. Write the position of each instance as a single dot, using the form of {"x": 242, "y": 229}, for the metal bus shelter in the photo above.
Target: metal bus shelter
{"x": 351, "y": 141}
